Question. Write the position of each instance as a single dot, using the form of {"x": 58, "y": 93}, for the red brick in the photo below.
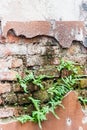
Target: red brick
{"x": 16, "y": 49}
{"x": 5, "y": 88}
{"x": 4, "y": 51}
{"x": 28, "y": 29}
{"x": 36, "y": 49}
{"x": 12, "y": 49}
{"x": 71, "y": 118}
{"x": 5, "y": 63}
{"x": 34, "y": 60}
{"x": 16, "y": 63}
{"x": 63, "y": 31}
{"x": 81, "y": 59}
{"x": 8, "y": 75}
{"x": 10, "y": 62}
{"x": 68, "y": 31}
{"x": 8, "y": 112}
{"x": 74, "y": 49}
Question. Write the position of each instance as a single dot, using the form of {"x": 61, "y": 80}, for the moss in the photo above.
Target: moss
{"x": 47, "y": 70}
{"x": 47, "y": 84}
{"x": 9, "y": 98}
{"x": 83, "y": 83}
{"x": 27, "y": 109}
{"x": 41, "y": 95}
{"x": 80, "y": 70}
{"x": 23, "y": 99}
{"x": 82, "y": 93}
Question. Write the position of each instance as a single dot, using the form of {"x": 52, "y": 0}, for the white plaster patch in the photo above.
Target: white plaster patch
{"x": 34, "y": 10}
{"x": 84, "y": 120}
{"x": 79, "y": 35}
{"x": 69, "y": 121}
{"x": 80, "y": 128}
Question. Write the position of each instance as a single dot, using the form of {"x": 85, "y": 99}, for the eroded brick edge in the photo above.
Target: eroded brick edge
{"x": 65, "y": 32}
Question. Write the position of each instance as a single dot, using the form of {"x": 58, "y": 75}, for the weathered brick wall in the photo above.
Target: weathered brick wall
{"x": 40, "y": 54}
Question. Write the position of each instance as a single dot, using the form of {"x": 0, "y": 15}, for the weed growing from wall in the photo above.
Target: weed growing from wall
{"x": 56, "y": 92}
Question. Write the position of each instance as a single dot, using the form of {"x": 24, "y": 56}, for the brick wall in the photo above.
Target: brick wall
{"x": 40, "y": 53}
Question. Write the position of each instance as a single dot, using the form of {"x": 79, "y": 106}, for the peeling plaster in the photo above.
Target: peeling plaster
{"x": 84, "y": 120}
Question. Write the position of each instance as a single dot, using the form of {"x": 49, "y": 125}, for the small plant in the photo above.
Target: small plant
{"x": 38, "y": 115}
{"x": 23, "y": 82}
{"x": 25, "y": 118}
{"x": 69, "y": 82}
{"x": 53, "y": 104}
{"x": 56, "y": 92}
{"x": 82, "y": 100}
{"x": 60, "y": 89}
{"x": 30, "y": 78}
{"x": 69, "y": 65}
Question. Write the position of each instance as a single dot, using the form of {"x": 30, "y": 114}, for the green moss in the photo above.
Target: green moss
{"x": 47, "y": 70}
{"x": 41, "y": 95}
{"x": 83, "y": 83}
{"x": 80, "y": 70}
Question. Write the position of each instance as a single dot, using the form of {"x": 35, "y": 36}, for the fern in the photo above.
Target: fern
{"x": 35, "y": 102}
{"x": 40, "y": 114}
{"x": 56, "y": 92}
{"x": 22, "y": 83}
{"x": 82, "y": 100}
{"x": 25, "y": 118}
{"x": 69, "y": 65}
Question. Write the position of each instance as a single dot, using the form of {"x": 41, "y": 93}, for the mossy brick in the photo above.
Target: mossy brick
{"x": 23, "y": 98}
{"x": 9, "y": 98}
{"x": 82, "y": 93}
{"x": 24, "y": 109}
{"x": 83, "y": 83}
{"x": 80, "y": 69}
{"x": 49, "y": 70}
{"x": 41, "y": 95}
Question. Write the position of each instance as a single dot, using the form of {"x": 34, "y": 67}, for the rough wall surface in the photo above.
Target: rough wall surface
{"x": 34, "y": 35}
{"x": 39, "y": 52}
